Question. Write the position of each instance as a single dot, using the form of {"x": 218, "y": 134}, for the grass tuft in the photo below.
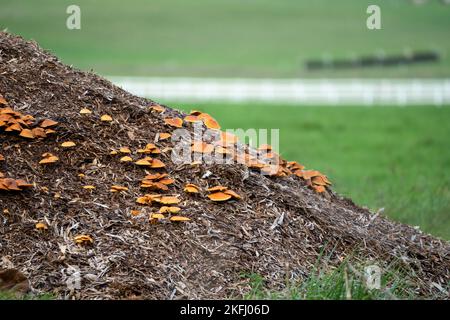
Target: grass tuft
{"x": 342, "y": 283}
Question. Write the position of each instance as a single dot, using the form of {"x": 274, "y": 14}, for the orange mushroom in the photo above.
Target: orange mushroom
{"x": 192, "y": 118}
{"x": 232, "y": 193}
{"x": 106, "y": 118}
{"x": 9, "y": 184}
{"x": 14, "y": 127}
{"x": 144, "y": 162}
{"x": 219, "y": 196}
{"x": 85, "y": 111}
{"x": 191, "y": 188}
{"x": 221, "y": 193}
{"x": 48, "y": 158}
{"x": 167, "y": 200}
{"x": 154, "y": 186}
{"x": 126, "y": 159}
{"x": 293, "y": 165}
{"x": 211, "y": 123}
{"x": 174, "y": 122}
{"x": 179, "y": 219}
{"x": 308, "y": 174}
{"x": 48, "y": 123}
{"x": 155, "y": 217}
{"x": 202, "y": 147}
{"x": 155, "y": 176}
{"x": 41, "y": 226}
{"x": 217, "y": 188}
{"x": 319, "y": 180}
{"x": 166, "y": 181}
{"x": 195, "y": 112}
{"x": 68, "y": 144}
{"x": 144, "y": 200}
{"x": 116, "y": 188}
{"x": 39, "y": 132}
{"x": 319, "y": 189}
{"x": 164, "y": 135}
{"x": 27, "y": 133}
{"x": 158, "y": 108}
{"x": 23, "y": 184}
{"x": 156, "y": 163}
{"x": 7, "y": 110}
{"x": 169, "y": 209}
{"x": 135, "y": 212}
{"x": 124, "y": 150}
{"x": 83, "y": 239}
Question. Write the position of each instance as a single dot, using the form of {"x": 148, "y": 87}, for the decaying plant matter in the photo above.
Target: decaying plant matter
{"x": 99, "y": 194}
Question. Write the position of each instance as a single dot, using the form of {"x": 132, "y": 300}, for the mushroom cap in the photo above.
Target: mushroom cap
{"x": 219, "y": 196}
{"x": 174, "y": 122}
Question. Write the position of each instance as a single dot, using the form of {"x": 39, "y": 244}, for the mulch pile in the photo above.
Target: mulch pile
{"x": 77, "y": 213}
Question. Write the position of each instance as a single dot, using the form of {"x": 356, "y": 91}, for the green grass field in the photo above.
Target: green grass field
{"x": 231, "y": 38}
{"x": 392, "y": 158}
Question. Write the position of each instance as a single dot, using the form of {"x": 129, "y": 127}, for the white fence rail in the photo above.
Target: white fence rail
{"x": 337, "y": 92}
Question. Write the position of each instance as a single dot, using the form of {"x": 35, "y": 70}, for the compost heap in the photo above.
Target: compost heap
{"x": 88, "y": 188}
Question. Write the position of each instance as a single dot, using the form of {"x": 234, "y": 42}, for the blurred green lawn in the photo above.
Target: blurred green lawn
{"x": 382, "y": 157}
{"x": 231, "y": 38}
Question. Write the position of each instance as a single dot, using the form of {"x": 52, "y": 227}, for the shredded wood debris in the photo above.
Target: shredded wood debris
{"x": 87, "y": 184}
